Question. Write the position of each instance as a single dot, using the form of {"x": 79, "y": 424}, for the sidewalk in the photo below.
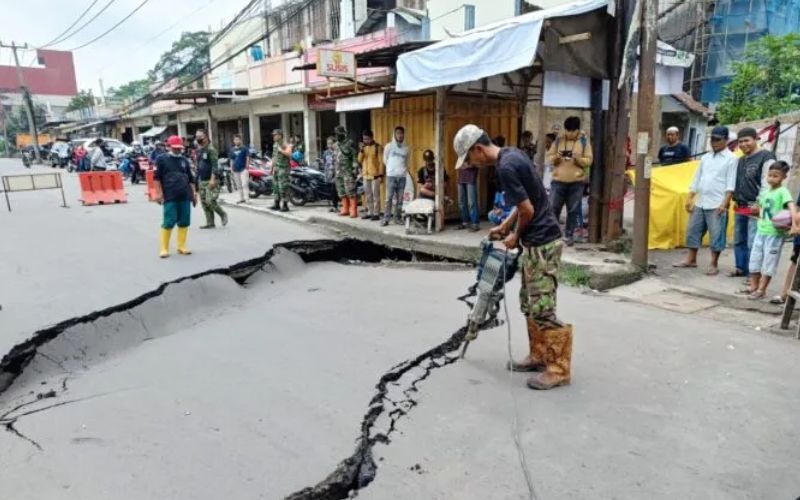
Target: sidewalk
{"x": 584, "y": 264}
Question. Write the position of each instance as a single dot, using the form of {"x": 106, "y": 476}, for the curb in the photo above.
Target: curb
{"x": 603, "y": 276}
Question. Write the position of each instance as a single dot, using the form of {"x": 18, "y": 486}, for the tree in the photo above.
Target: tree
{"x": 130, "y": 91}
{"x": 190, "y": 50}
{"x": 766, "y": 82}
{"x": 84, "y": 99}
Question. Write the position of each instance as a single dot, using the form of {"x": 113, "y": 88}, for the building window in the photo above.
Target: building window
{"x": 469, "y": 17}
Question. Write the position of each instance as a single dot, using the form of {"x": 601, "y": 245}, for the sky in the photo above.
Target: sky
{"x": 125, "y": 54}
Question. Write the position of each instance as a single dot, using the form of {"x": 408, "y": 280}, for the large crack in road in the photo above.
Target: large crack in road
{"x": 394, "y": 394}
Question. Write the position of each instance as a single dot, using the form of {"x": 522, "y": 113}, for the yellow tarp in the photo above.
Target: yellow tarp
{"x": 669, "y": 190}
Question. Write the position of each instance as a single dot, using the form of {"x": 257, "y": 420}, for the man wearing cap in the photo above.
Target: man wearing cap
{"x": 208, "y": 176}
{"x": 346, "y": 173}
{"x": 281, "y": 153}
{"x": 709, "y": 200}
{"x": 673, "y": 151}
{"x": 533, "y": 227}
{"x": 751, "y": 174}
{"x": 174, "y": 183}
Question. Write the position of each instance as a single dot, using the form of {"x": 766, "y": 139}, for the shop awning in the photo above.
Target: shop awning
{"x": 483, "y": 52}
{"x": 154, "y": 131}
{"x": 360, "y": 102}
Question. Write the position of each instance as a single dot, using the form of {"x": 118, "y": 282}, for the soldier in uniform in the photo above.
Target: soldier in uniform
{"x": 208, "y": 176}
{"x": 281, "y": 153}
{"x": 346, "y": 173}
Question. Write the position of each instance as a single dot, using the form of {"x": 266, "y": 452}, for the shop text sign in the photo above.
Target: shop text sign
{"x": 336, "y": 63}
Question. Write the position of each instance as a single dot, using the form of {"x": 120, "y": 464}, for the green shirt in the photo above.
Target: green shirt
{"x": 770, "y": 203}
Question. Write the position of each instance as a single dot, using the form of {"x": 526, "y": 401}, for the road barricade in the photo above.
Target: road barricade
{"x": 100, "y": 188}
{"x": 149, "y": 176}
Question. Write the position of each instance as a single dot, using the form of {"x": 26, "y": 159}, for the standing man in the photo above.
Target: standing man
{"x": 175, "y": 191}
{"x": 674, "y": 151}
{"x": 571, "y": 156}
{"x": 329, "y": 167}
{"x": 240, "y": 160}
{"x": 157, "y": 151}
{"x": 208, "y": 176}
{"x": 709, "y": 200}
{"x": 528, "y": 146}
{"x": 98, "y": 157}
{"x": 281, "y": 154}
{"x": 346, "y": 173}
{"x": 395, "y": 156}
{"x": 468, "y": 197}
{"x": 370, "y": 156}
{"x": 533, "y": 227}
{"x": 751, "y": 174}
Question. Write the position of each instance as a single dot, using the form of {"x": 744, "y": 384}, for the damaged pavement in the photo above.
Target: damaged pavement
{"x": 326, "y": 368}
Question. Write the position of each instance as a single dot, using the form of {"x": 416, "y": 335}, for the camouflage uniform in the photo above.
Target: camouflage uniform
{"x": 280, "y": 164}
{"x": 209, "y": 195}
{"x": 346, "y": 169}
{"x": 537, "y": 295}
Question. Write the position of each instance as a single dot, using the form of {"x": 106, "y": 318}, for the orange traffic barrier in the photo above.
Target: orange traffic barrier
{"x": 149, "y": 176}
{"x": 100, "y": 188}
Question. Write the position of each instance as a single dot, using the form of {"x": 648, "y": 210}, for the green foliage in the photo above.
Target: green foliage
{"x": 191, "y": 48}
{"x": 84, "y": 99}
{"x": 17, "y": 121}
{"x": 573, "y": 275}
{"x": 130, "y": 91}
{"x": 766, "y": 81}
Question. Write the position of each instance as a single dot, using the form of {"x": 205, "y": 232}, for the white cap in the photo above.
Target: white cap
{"x": 465, "y": 138}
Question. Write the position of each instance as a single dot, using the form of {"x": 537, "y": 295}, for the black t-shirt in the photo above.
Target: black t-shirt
{"x": 669, "y": 155}
{"x": 175, "y": 175}
{"x": 748, "y": 176}
{"x": 519, "y": 182}
{"x": 424, "y": 176}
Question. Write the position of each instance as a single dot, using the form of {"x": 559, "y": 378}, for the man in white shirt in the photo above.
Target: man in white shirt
{"x": 709, "y": 199}
{"x": 98, "y": 157}
{"x": 395, "y": 157}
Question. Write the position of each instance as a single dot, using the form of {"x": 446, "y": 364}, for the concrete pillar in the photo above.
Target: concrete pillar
{"x": 285, "y": 124}
{"x": 343, "y": 120}
{"x": 213, "y": 130}
{"x": 310, "y": 132}
{"x": 181, "y": 127}
{"x": 255, "y": 131}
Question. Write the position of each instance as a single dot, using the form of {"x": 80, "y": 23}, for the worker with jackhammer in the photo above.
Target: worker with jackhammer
{"x": 346, "y": 173}
{"x": 533, "y": 229}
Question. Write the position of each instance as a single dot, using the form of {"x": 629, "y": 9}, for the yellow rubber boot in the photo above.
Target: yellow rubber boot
{"x": 182, "y": 232}
{"x": 166, "y": 234}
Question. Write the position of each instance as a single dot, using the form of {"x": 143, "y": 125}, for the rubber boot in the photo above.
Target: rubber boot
{"x": 276, "y": 205}
{"x": 558, "y": 342}
{"x": 354, "y": 207}
{"x": 166, "y": 234}
{"x": 535, "y": 361}
{"x": 345, "y": 206}
{"x": 182, "y": 233}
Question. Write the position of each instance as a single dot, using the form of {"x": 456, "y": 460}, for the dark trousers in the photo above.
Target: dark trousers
{"x": 571, "y": 195}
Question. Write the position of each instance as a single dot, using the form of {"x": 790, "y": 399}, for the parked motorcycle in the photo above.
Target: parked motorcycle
{"x": 307, "y": 185}
{"x": 225, "y": 168}
{"x": 260, "y": 182}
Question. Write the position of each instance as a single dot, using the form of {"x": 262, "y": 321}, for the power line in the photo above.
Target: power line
{"x": 71, "y": 25}
{"x": 87, "y": 23}
{"x": 134, "y": 11}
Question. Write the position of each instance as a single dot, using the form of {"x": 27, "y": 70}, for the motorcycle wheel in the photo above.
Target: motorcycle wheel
{"x": 297, "y": 200}
{"x": 253, "y": 194}
{"x": 228, "y": 184}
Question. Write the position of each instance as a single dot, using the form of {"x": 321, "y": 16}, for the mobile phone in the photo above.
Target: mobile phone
{"x": 566, "y": 154}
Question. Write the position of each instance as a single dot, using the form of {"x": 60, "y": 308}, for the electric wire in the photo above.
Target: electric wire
{"x": 134, "y": 11}
{"x": 87, "y": 23}
{"x": 55, "y": 40}
{"x": 515, "y": 430}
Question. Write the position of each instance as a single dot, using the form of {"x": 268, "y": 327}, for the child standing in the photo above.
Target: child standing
{"x": 766, "y": 251}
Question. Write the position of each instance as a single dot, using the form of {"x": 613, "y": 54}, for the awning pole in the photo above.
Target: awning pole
{"x": 441, "y": 103}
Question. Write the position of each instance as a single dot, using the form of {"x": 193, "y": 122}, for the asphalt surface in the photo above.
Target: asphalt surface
{"x": 214, "y": 389}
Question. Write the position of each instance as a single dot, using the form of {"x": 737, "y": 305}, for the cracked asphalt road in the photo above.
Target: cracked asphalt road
{"x": 259, "y": 392}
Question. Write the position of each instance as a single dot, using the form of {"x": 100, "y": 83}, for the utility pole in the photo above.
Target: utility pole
{"x": 7, "y": 146}
{"x": 26, "y": 96}
{"x": 647, "y": 111}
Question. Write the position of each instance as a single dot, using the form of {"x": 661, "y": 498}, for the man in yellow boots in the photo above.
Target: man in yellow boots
{"x": 175, "y": 191}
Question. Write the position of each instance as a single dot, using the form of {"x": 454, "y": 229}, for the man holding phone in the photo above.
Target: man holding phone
{"x": 571, "y": 156}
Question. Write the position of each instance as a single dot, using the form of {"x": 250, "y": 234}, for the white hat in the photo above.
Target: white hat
{"x": 466, "y": 137}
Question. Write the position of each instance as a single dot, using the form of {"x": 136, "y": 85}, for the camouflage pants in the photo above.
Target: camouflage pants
{"x": 345, "y": 182}
{"x": 537, "y": 295}
{"x": 282, "y": 183}
{"x": 208, "y": 199}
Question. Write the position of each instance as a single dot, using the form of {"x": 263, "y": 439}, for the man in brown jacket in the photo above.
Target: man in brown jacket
{"x": 370, "y": 157}
{"x": 571, "y": 156}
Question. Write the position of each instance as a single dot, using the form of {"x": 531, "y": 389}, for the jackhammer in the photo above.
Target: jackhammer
{"x": 495, "y": 268}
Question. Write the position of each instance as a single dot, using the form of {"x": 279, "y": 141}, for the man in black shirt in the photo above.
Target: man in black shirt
{"x": 674, "y": 151}
{"x": 175, "y": 191}
{"x": 539, "y": 236}
{"x": 426, "y": 177}
{"x": 751, "y": 174}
